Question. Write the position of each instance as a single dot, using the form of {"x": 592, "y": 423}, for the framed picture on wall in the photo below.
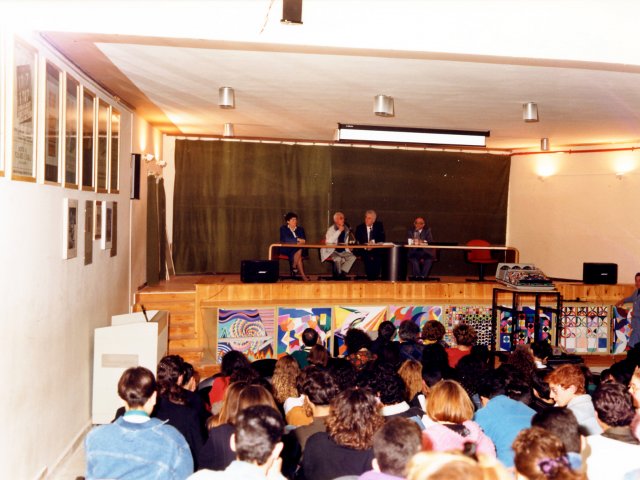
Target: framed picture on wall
{"x": 88, "y": 126}
{"x": 102, "y": 176}
{"x": 97, "y": 221}
{"x": 72, "y": 115}
{"x": 107, "y": 225}
{"x": 23, "y": 166}
{"x": 52, "y": 118}
{"x": 69, "y": 228}
{"x": 88, "y": 232}
{"x": 114, "y": 152}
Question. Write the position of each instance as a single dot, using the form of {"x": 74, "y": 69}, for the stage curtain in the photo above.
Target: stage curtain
{"x": 153, "y": 250}
{"x": 230, "y": 199}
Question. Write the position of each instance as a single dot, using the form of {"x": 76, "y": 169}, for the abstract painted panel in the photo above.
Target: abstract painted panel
{"x": 293, "y": 321}
{"x": 247, "y": 331}
{"x": 478, "y": 316}
{"x": 364, "y": 318}
{"x": 621, "y": 329}
{"x": 584, "y": 328}
{"x": 418, "y": 314}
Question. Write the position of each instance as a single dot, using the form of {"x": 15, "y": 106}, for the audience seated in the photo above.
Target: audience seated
{"x": 286, "y": 392}
{"x": 616, "y": 451}
{"x": 318, "y": 388}
{"x": 389, "y": 387}
{"x": 354, "y": 417}
{"x": 634, "y": 389}
{"x": 309, "y": 338}
{"x": 135, "y": 445}
{"x": 393, "y": 446}
{"x": 449, "y": 425}
{"x": 469, "y": 373}
{"x": 189, "y": 382}
{"x": 231, "y": 361}
{"x": 540, "y": 455}
{"x": 541, "y": 351}
{"x": 257, "y": 445}
{"x": 358, "y": 344}
{"x": 386, "y": 332}
{"x": 563, "y": 424}
{"x": 501, "y": 417}
{"x": 435, "y": 364}
{"x": 216, "y": 453}
{"x": 172, "y": 405}
{"x": 343, "y": 373}
{"x": 466, "y": 338}
{"x": 415, "y": 387}
{"x": 433, "y": 332}
{"x": 410, "y": 345}
{"x": 319, "y": 356}
{"x": 567, "y": 386}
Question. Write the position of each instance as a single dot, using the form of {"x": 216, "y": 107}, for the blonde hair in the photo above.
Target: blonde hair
{"x": 229, "y": 408}
{"x": 448, "y": 465}
{"x": 284, "y": 379}
{"x": 411, "y": 373}
{"x": 449, "y": 402}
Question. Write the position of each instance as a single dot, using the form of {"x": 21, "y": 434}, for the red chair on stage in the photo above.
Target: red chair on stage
{"x": 479, "y": 257}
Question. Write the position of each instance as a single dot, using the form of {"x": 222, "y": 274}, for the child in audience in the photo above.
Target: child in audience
{"x": 540, "y": 455}
{"x": 286, "y": 392}
{"x": 135, "y": 445}
{"x": 567, "y": 386}
{"x": 466, "y": 338}
{"x": 563, "y": 424}
{"x": 416, "y": 390}
{"x": 393, "y": 446}
{"x": 450, "y": 411}
{"x": 231, "y": 361}
{"x": 310, "y": 338}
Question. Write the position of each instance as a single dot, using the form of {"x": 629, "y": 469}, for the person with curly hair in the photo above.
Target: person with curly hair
{"x": 449, "y": 423}
{"x": 358, "y": 345}
{"x": 354, "y": 417}
{"x": 390, "y": 389}
{"x": 285, "y": 391}
{"x": 466, "y": 338}
{"x": 540, "y": 455}
{"x": 433, "y": 332}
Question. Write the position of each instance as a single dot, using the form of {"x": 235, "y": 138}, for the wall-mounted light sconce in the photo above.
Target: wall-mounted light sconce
{"x": 544, "y": 144}
{"x": 226, "y": 97}
{"x": 383, "y": 106}
{"x": 161, "y": 163}
{"x": 530, "y": 112}
{"x": 148, "y": 157}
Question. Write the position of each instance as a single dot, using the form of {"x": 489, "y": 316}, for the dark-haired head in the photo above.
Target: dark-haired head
{"x": 136, "y": 386}
{"x": 434, "y": 357}
{"x": 310, "y": 337}
{"x": 231, "y": 361}
{"x": 387, "y": 385}
{"x": 169, "y": 378}
{"x": 614, "y": 405}
{"x": 395, "y": 443}
{"x": 386, "y": 331}
{"x": 409, "y": 331}
{"x": 562, "y": 423}
{"x": 353, "y": 419}
{"x": 318, "y": 386}
{"x": 318, "y": 356}
{"x": 465, "y": 334}
{"x": 289, "y": 216}
{"x": 541, "y": 349}
{"x": 357, "y": 339}
{"x": 259, "y": 430}
{"x": 433, "y": 331}
{"x": 343, "y": 372}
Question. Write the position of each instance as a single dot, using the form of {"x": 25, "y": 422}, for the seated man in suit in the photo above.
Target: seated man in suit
{"x": 420, "y": 232}
{"x": 370, "y": 232}
{"x": 342, "y": 258}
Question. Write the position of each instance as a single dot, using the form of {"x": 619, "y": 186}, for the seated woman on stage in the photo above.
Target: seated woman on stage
{"x": 292, "y": 233}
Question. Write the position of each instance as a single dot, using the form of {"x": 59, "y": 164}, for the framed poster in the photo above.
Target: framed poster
{"x": 52, "y": 125}
{"x": 69, "y": 228}
{"x": 88, "y": 125}
{"x": 247, "y": 331}
{"x": 97, "y": 221}
{"x": 88, "y": 232}
{"x": 102, "y": 146}
{"x": 107, "y": 225}
{"x": 23, "y": 166}
{"x": 114, "y": 160}
{"x": 72, "y": 115}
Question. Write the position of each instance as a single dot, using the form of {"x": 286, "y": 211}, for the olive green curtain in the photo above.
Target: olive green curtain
{"x": 230, "y": 197}
{"x": 153, "y": 250}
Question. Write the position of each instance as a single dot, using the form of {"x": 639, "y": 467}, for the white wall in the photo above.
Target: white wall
{"x": 49, "y": 307}
{"x": 580, "y": 213}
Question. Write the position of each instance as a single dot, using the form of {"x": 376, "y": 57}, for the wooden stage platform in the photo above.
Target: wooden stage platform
{"x": 193, "y": 302}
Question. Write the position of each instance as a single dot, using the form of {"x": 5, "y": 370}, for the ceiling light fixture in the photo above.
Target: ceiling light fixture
{"x": 349, "y": 133}
{"x": 383, "y": 106}
{"x": 530, "y": 112}
{"x": 228, "y": 130}
{"x": 544, "y": 144}
{"x": 226, "y": 97}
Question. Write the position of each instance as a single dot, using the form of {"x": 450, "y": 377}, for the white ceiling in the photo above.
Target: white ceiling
{"x": 448, "y": 64}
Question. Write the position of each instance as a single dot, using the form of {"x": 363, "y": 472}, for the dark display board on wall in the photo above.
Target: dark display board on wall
{"x": 230, "y": 197}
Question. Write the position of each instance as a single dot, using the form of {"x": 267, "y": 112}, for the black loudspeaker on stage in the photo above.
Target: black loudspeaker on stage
{"x": 600, "y": 273}
{"x": 135, "y": 176}
{"x": 259, "y": 271}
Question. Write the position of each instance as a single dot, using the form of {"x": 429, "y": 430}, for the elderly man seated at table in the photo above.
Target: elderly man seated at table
{"x": 420, "y": 259}
{"x": 342, "y": 258}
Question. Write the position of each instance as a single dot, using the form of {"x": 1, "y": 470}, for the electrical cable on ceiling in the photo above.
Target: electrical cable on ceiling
{"x": 266, "y": 19}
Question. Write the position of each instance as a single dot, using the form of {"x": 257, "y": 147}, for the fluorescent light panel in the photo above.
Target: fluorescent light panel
{"x": 378, "y": 134}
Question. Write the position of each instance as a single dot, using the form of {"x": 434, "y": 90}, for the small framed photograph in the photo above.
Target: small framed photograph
{"x": 97, "y": 221}
{"x": 70, "y": 228}
{"x": 107, "y": 225}
{"x": 88, "y": 232}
